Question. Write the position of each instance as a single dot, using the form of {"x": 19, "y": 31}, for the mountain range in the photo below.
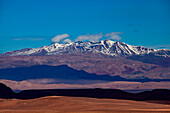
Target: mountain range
{"x": 91, "y": 63}
{"x": 106, "y": 47}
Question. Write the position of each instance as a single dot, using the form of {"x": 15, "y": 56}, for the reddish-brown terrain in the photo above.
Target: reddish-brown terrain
{"x": 78, "y": 102}
{"x": 60, "y": 104}
{"x": 91, "y": 63}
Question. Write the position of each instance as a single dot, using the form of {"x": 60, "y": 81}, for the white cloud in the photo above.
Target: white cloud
{"x": 97, "y": 37}
{"x": 93, "y": 37}
{"x": 67, "y": 40}
{"x": 113, "y": 35}
{"x": 59, "y": 38}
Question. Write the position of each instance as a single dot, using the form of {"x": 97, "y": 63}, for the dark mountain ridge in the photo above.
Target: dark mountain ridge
{"x": 6, "y": 92}
{"x": 157, "y": 94}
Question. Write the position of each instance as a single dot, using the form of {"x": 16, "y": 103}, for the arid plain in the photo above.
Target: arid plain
{"x": 61, "y": 104}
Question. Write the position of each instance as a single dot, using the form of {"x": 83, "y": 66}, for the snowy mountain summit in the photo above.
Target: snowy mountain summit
{"x": 106, "y": 47}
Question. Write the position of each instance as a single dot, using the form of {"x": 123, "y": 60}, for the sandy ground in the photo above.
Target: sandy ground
{"x": 60, "y": 104}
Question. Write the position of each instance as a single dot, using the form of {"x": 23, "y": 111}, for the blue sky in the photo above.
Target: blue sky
{"x": 33, "y": 23}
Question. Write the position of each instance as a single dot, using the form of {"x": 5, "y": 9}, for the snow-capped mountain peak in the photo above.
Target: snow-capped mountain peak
{"x": 107, "y": 47}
